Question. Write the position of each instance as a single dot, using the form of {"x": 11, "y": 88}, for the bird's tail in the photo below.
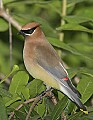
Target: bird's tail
{"x": 79, "y": 104}
{"x": 73, "y": 97}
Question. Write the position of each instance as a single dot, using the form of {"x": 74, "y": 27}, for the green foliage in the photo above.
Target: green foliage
{"x": 77, "y": 53}
{"x": 58, "y": 109}
{"x": 86, "y": 87}
{"x": 18, "y": 84}
{"x": 3, "y": 112}
{"x": 75, "y": 27}
{"x": 36, "y": 87}
{"x": 3, "y": 25}
{"x": 15, "y": 68}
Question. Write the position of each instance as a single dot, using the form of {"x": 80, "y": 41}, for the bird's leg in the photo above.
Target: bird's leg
{"x": 49, "y": 90}
{"x": 51, "y": 95}
{"x": 45, "y": 93}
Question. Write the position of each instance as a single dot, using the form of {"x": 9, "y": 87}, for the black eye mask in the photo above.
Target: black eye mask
{"x": 29, "y": 31}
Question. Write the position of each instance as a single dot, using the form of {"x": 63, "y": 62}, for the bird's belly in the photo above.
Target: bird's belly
{"x": 39, "y": 73}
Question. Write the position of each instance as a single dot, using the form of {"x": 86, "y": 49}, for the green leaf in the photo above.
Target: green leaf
{"x": 12, "y": 100}
{"x": 86, "y": 11}
{"x": 36, "y": 87}
{"x": 25, "y": 92}
{"x": 70, "y": 107}
{"x": 3, "y": 25}
{"x": 36, "y": 117}
{"x": 72, "y": 72}
{"x": 59, "y": 108}
{"x": 47, "y": 117}
{"x": 15, "y": 2}
{"x": 75, "y": 19}
{"x": 88, "y": 74}
{"x": 3, "y": 113}
{"x": 20, "y": 115}
{"x": 74, "y": 116}
{"x": 15, "y": 68}
{"x": 18, "y": 84}
{"x": 55, "y": 8}
{"x": 85, "y": 50}
{"x": 75, "y": 27}
{"x": 4, "y": 92}
{"x": 85, "y": 87}
{"x": 74, "y": 2}
{"x": 59, "y": 44}
{"x": 40, "y": 108}
{"x": 7, "y": 1}
{"x": 60, "y": 95}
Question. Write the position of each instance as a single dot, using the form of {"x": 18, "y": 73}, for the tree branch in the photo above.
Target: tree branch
{"x": 8, "y": 18}
{"x": 35, "y": 101}
{"x": 1, "y": 4}
{"x": 20, "y": 106}
{"x": 41, "y": 96}
{"x": 63, "y": 14}
{"x": 61, "y": 35}
{"x": 10, "y": 41}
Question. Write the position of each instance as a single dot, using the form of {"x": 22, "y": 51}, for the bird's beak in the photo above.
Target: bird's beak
{"x": 21, "y": 33}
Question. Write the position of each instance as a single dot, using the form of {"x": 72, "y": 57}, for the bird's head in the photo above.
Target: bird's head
{"x": 30, "y": 29}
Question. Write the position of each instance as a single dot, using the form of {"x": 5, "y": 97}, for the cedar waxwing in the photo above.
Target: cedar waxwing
{"x": 42, "y": 62}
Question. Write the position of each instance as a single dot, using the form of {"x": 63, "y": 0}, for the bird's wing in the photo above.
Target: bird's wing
{"x": 48, "y": 59}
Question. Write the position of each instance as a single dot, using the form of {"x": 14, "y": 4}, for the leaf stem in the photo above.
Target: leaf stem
{"x": 61, "y": 35}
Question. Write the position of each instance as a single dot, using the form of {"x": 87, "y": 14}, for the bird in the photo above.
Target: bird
{"x": 42, "y": 62}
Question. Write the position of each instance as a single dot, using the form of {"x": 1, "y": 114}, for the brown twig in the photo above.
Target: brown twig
{"x": 1, "y": 4}
{"x": 47, "y": 93}
{"x": 35, "y": 101}
{"x": 53, "y": 98}
{"x": 32, "y": 106}
{"x": 20, "y": 106}
{"x": 8, "y": 18}
{"x": 63, "y": 116}
{"x": 10, "y": 41}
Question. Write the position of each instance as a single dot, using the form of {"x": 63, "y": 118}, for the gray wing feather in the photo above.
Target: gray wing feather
{"x": 50, "y": 61}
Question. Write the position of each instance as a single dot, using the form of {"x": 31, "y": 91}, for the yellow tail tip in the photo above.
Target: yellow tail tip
{"x": 86, "y": 112}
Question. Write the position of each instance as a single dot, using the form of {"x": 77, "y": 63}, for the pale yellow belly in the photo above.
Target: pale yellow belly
{"x": 39, "y": 73}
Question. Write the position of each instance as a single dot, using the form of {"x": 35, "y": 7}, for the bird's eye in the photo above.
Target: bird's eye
{"x": 29, "y": 31}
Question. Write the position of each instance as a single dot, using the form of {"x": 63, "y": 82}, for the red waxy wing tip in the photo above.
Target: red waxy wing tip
{"x": 66, "y": 78}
